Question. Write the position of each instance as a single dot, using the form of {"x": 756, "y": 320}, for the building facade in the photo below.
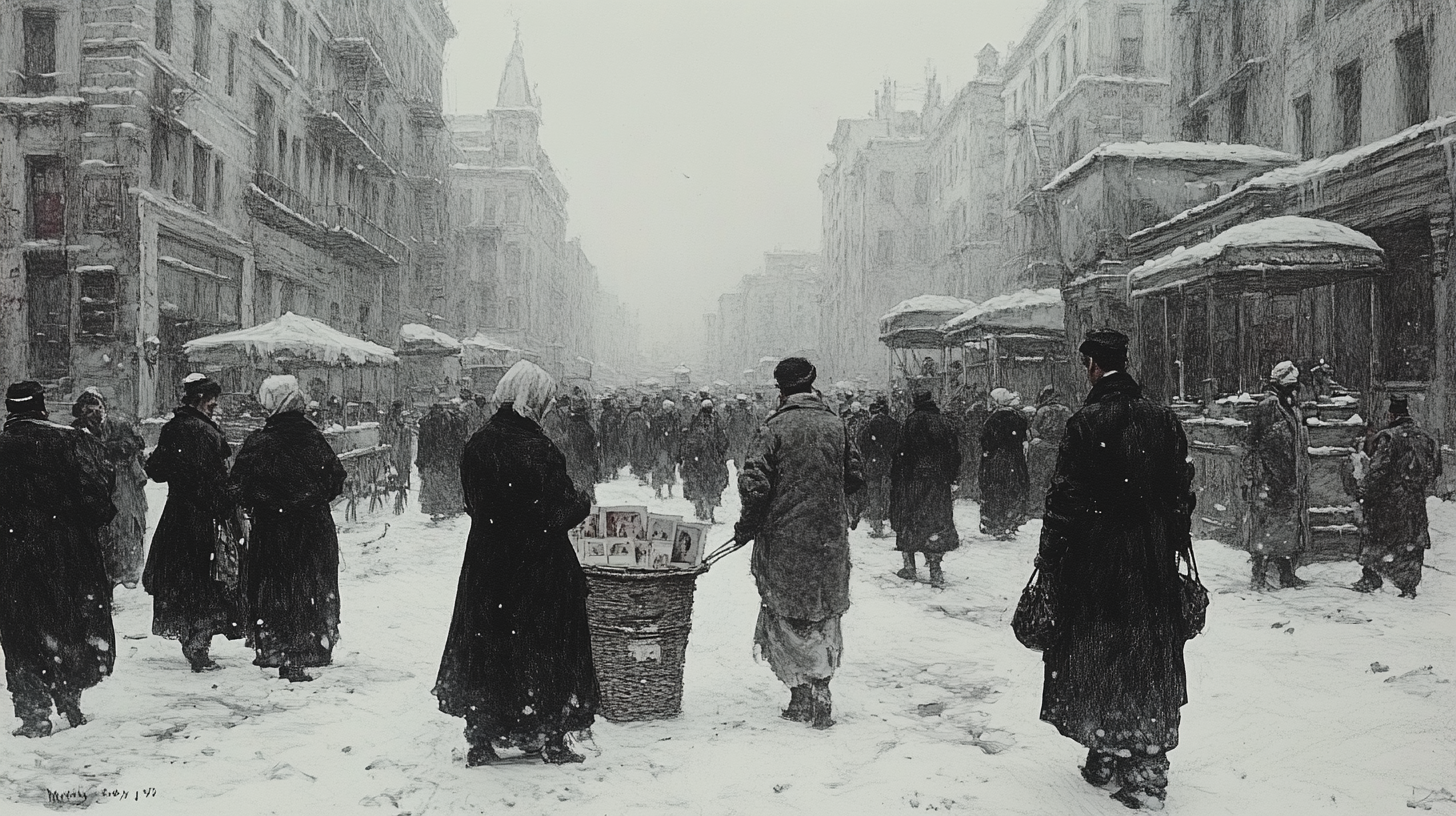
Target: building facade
{"x": 775, "y": 313}
{"x": 183, "y": 168}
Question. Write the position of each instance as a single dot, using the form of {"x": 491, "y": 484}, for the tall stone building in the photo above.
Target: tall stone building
{"x": 514, "y": 274}
{"x": 172, "y": 169}
{"x": 774, "y": 313}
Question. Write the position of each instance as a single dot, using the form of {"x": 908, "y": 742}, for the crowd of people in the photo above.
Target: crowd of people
{"x": 246, "y": 547}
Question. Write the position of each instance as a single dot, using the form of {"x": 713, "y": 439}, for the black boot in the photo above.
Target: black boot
{"x": 821, "y": 709}
{"x": 1370, "y": 581}
{"x": 937, "y": 576}
{"x": 197, "y": 651}
{"x": 799, "y": 709}
{"x": 479, "y": 755}
{"x": 1099, "y": 769}
{"x": 69, "y": 705}
{"x": 1144, "y": 782}
{"x": 1259, "y": 579}
{"x": 908, "y": 572}
{"x": 556, "y": 751}
{"x": 294, "y": 674}
{"x": 33, "y": 728}
{"x": 1287, "y": 578}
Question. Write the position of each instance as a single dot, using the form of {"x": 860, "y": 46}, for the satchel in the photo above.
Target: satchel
{"x": 1194, "y": 597}
{"x": 1035, "y": 621}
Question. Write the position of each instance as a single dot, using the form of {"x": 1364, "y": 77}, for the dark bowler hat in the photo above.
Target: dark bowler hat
{"x": 25, "y": 398}
{"x": 795, "y": 372}
{"x": 1400, "y": 404}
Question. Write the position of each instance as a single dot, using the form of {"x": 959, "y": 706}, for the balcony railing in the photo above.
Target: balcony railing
{"x": 343, "y": 115}
{"x": 276, "y": 189}
{"x": 336, "y": 228}
{"x": 344, "y": 218}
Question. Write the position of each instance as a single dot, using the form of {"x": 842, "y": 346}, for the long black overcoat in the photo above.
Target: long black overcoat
{"x": 55, "y": 599}
{"x": 518, "y": 657}
{"x": 1003, "y": 476}
{"x": 191, "y": 458}
{"x": 1117, "y": 515}
{"x": 1405, "y": 464}
{"x": 928, "y": 462}
{"x": 286, "y": 475}
{"x": 878, "y": 443}
{"x": 705, "y": 459}
{"x": 582, "y": 455}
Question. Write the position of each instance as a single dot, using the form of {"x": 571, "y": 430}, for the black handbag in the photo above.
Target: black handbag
{"x": 1035, "y": 620}
{"x": 1194, "y": 596}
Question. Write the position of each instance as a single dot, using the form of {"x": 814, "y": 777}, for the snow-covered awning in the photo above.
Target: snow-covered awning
{"x": 289, "y": 339}
{"x": 1039, "y": 312}
{"x": 915, "y": 323}
{"x": 1285, "y": 254}
{"x": 482, "y": 341}
{"x": 1174, "y": 152}
{"x": 417, "y": 338}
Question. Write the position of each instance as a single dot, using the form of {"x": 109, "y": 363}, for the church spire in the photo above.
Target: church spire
{"x": 515, "y": 90}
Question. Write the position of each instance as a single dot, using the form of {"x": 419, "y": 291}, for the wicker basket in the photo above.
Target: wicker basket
{"x": 639, "y": 622}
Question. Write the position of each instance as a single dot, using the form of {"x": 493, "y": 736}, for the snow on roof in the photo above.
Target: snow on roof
{"x": 1284, "y": 230}
{"x": 303, "y": 338}
{"x": 483, "y": 341}
{"x": 1173, "y": 151}
{"x": 1028, "y": 308}
{"x": 420, "y": 333}
{"x": 930, "y": 303}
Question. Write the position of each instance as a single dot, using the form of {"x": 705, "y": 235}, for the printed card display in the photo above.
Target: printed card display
{"x": 591, "y": 526}
{"x": 662, "y": 528}
{"x": 660, "y": 554}
{"x": 687, "y": 544}
{"x": 621, "y": 552}
{"x": 625, "y": 522}
{"x": 594, "y": 551}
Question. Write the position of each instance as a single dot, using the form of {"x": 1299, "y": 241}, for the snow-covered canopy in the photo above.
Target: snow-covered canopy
{"x": 1285, "y": 253}
{"x": 290, "y": 338}
{"x": 1174, "y": 152}
{"x": 1040, "y": 312}
{"x": 915, "y": 323}
{"x": 484, "y": 342}
{"x": 682, "y": 369}
{"x": 419, "y": 337}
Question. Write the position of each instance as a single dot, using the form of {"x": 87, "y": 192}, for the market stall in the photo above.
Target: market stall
{"x": 485, "y": 359}
{"x": 1016, "y": 341}
{"x": 313, "y": 352}
{"x": 1211, "y": 322}
{"x": 919, "y": 355}
{"x": 430, "y": 364}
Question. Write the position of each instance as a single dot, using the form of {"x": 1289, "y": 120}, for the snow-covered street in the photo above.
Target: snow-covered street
{"x": 937, "y": 703}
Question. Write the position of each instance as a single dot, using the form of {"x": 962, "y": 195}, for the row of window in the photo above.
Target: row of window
{"x": 1047, "y": 79}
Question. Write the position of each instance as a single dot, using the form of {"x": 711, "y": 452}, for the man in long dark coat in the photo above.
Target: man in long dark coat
{"x": 1048, "y": 426}
{"x": 191, "y": 601}
{"x": 1117, "y": 517}
{"x": 1003, "y": 476}
{"x": 1277, "y": 480}
{"x": 581, "y": 449}
{"x": 610, "y": 443}
{"x": 441, "y": 439}
{"x": 741, "y": 425}
{"x": 518, "y": 663}
{"x": 55, "y": 597}
{"x": 800, "y": 467}
{"x": 287, "y": 475}
{"x": 705, "y": 462}
{"x": 637, "y": 429}
{"x": 921, "y": 507}
{"x": 666, "y": 434}
{"x": 123, "y": 538}
{"x": 878, "y": 442}
{"x": 1405, "y": 462}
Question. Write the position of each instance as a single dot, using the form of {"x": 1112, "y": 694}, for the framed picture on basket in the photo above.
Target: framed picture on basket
{"x": 591, "y": 526}
{"x": 687, "y": 544}
{"x": 660, "y": 555}
{"x": 662, "y": 528}
{"x": 642, "y": 552}
{"x": 594, "y": 551}
{"x": 621, "y": 552}
{"x": 626, "y": 522}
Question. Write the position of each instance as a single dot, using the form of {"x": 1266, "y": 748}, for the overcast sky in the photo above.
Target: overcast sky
{"x": 691, "y": 134}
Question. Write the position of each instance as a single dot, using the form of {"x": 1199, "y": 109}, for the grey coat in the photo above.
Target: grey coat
{"x": 799, "y": 468}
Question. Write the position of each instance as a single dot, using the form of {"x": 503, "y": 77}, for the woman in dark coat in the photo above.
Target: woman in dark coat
{"x": 637, "y": 428}
{"x": 1048, "y": 426}
{"x": 666, "y": 435}
{"x": 123, "y": 538}
{"x": 442, "y": 437}
{"x": 189, "y": 602}
{"x": 705, "y": 462}
{"x": 878, "y": 444}
{"x": 286, "y": 475}
{"x": 55, "y": 599}
{"x": 921, "y": 507}
{"x": 518, "y": 664}
{"x": 580, "y": 450}
{"x": 1117, "y": 517}
{"x": 1003, "y": 476}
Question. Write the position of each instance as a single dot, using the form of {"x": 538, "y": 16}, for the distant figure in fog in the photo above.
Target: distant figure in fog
{"x": 705, "y": 462}
{"x": 638, "y": 430}
{"x": 610, "y": 442}
{"x": 666, "y": 435}
{"x": 581, "y": 449}
{"x": 442, "y": 438}
{"x": 922, "y": 510}
{"x": 974, "y": 422}
{"x": 123, "y": 538}
{"x": 1405, "y": 463}
{"x": 1277, "y": 481}
{"x": 518, "y": 664}
{"x": 879, "y": 440}
{"x": 190, "y": 600}
{"x": 1048, "y": 426}
{"x": 741, "y": 422}
{"x": 1117, "y": 519}
{"x": 286, "y": 475}
{"x": 800, "y": 467}
{"x": 394, "y": 431}
{"x": 55, "y": 597}
{"x": 1003, "y": 477}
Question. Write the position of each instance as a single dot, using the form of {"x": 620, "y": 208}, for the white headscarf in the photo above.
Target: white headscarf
{"x": 527, "y": 387}
{"x": 1005, "y": 398}
{"x": 1285, "y": 373}
{"x": 280, "y": 393}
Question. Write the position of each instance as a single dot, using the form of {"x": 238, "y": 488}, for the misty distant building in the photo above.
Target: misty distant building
{"x": 514, "y": 273}
{"x": 775, "y": 313}
{"x": 170, "y": 170}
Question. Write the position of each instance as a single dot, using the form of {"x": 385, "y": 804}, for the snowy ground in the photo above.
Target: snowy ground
{"x": 937, "y": 704}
